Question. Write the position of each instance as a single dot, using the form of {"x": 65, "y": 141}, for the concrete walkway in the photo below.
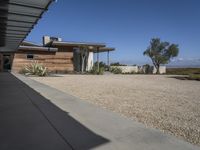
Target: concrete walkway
{"x": 60, "y": 121}
{"x": 28, "y": 121}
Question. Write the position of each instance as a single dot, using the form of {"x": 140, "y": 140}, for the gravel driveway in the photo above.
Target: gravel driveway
{"x": 162, "y": 102}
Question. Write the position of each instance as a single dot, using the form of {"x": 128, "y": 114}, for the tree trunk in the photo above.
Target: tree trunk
{"x": 157, "y": 69}
{"x": 83, "y": 64}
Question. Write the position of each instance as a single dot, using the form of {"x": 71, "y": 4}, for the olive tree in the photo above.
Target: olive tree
{"x": 161, "y": 52}
{"x": 84, "y": 55}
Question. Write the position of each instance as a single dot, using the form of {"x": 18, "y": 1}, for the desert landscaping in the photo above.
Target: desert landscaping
{"x": 158, "y": 101}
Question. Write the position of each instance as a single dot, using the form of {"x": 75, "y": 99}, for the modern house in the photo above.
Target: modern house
{"x": 57, "y": 55}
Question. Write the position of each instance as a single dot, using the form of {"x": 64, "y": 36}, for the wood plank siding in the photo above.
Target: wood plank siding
{"x": 57, "y": 62}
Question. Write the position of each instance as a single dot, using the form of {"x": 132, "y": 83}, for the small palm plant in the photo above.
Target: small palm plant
{"x": 34, "y": 69}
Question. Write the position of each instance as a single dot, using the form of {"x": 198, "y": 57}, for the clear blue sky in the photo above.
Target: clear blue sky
{"x": 127, "y": 25}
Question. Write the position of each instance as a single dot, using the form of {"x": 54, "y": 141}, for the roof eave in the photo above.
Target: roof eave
{"x": 17, "y": 30}
{"x": 36, "y": 48}
{"x": 77, "y": 44}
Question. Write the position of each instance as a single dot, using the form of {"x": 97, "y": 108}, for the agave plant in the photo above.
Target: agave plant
{"x": 35, "y": 69}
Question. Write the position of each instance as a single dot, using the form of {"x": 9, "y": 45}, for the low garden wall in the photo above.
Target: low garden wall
{"x": 127, "y": 69}
{"x": 140, "y": 69}
{"x": 162, "y": 70}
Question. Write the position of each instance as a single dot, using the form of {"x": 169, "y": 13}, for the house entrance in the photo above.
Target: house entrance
{"x": 6, "y": 62}
{"x": 76, "y": 60}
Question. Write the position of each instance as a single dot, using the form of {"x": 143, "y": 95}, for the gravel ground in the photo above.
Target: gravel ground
{"x": 162, "y": 102}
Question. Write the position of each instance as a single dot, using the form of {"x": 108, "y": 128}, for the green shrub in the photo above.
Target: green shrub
{"x": 101, "y": 71}
{"x": 116, "y": 70}
{"x": 194, "y": 77}
{"x": 102, "y": 65}
{"x": 147, "y": 69}
{"x": 96, "y": 71}
{"x": 117, "y": 64}
{"x": 34, "y": 69}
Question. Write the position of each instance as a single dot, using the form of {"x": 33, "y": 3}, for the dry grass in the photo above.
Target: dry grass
{"x": 168, "y": 104}
{"x": 183, "y": 71}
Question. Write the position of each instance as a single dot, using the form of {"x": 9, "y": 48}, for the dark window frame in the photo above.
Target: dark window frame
{"x": 30, "y": 56}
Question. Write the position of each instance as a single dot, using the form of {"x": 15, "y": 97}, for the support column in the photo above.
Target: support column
{"x": 98, "y": 59}
{"x": 108, "y": 60}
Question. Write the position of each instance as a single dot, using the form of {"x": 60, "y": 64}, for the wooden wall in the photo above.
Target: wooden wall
{"x": 58, "y": 62}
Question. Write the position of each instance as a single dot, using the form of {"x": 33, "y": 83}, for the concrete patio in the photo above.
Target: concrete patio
{"x": 35, "y": 116}
{"x": 28, "y": 121}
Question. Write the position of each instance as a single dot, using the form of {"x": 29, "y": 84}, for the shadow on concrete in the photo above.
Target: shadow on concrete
{"x": 28, "y": 121}
{"x": 184, "y": 78}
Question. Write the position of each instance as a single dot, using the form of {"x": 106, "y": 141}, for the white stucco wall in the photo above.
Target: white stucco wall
{"x": 136, "y": 69}
{"x": 128, "y": 69}
{"x": 162, "y": 70}
{"x": 90, "y": 62}
{"x": 46, "y": 40}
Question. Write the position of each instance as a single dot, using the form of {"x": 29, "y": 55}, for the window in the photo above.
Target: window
{"x": 30, "y": 56}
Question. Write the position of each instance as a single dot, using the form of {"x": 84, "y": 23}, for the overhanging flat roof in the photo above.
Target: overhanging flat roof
{"x": 94, "y": 47}
{"x": 57, "y": 43}
{"x": 104, "y": 49}
{"x": 27, "y": 43}
{"x": 35, "y": 47}
{"x": 17, "y": 19}
{"x": 38, "y": 48}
